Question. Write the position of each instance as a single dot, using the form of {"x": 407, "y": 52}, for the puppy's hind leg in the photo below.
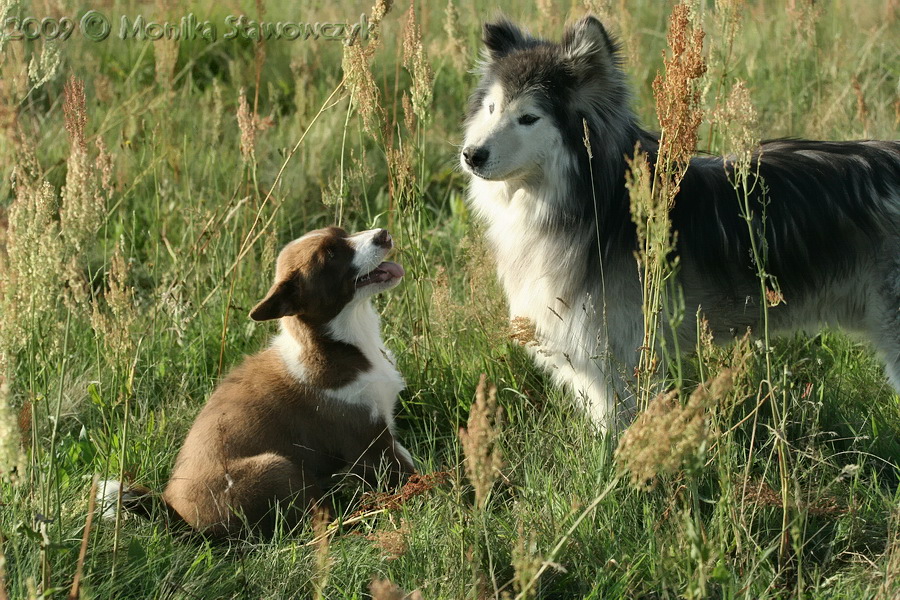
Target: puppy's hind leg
{"x": 258, "y": 484}
{"x": 382, "y": 456}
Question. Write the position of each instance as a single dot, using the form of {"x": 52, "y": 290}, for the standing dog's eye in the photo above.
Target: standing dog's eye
{"x": 491, "y": 108}
{"x": 528, "y": 119}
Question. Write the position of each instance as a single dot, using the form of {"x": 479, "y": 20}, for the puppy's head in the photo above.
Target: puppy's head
{"x": 323, "y": 272}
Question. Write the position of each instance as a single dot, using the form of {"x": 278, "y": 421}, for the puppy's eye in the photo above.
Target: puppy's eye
{"x": 491, "y": 108}
{"x": 528, "y": 119}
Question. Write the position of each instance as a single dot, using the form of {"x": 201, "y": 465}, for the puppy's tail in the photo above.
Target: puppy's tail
{"x": 136, "y": 499}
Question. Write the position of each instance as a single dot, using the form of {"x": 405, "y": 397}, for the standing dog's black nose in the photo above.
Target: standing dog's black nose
{"x": 475, "y": 157}
{"x": 383, "y": 239}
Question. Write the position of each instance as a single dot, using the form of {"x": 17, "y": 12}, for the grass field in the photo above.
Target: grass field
{"x": 147, "y": 187}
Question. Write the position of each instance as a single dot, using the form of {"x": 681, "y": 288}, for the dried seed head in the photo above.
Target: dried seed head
{"x": 379, "y": 11}
{"x": 392, "y": 543}
{"x": 385, "y": 589}
{"x": 364, "y": 92}
{"x": 805, "y": 14}
{"x": 525, "y": 560}
{"x": 727, "y": 16}
{"x": 456, "y": 43}
{"x": 523, "y": 331}
{"x": 113, "y": 317}
{"x": 676, "y": 92}
{"x": 649, "y": 211}
{"x": 165, "y": 53}
{"x": 32, "y": 281}
{"x": 42, "y": 69}
{"x": 483, "y": 459}
{"x": 667, "y": 435}
{"x": 705, "y": 342}
{"x": 247, "y": 125}
{"x": 75, "y": 112}
{"x": 416, "y": 63}
{"x": 84, "y": 196}
{"x": 323, "y": 562}
{"x": 738, "y": 122}
{"x": 409, "y": 116}
{"x": 402, "y": 171}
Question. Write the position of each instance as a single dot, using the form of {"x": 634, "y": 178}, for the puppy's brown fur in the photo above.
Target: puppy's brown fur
{"x": 272, "y": 434}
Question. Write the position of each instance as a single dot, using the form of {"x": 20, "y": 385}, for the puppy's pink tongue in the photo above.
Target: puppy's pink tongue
{"x": 393, "y": 269}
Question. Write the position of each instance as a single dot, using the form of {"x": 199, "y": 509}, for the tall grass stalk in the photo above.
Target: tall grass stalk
{"x": 653, "y": 190}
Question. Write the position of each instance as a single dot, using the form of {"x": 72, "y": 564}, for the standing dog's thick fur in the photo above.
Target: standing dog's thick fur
{"x": 319, "y": 401}
{"x": 561, "y": 231}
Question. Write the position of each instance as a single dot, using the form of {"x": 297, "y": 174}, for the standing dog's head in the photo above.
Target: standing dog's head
{"x": 529, "y": 108}
{"x": 318, "y": 275}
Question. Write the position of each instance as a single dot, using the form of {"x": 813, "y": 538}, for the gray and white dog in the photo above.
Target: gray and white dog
{"x": 827, "y": 215}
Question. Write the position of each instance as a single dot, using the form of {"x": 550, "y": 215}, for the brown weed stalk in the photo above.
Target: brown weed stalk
{"x": 526, "y": 562}
{"x": 356, "y": 64}
{"x": 83, "y": 206}
{"x": 652, "y": 191}
{"x": 115, "y": 323}
{"x": 677, "y": 94}
{"x": 457, "y": 48}
{"x": 247, "y": 126}
{"x": 483, "y": 459}
{"x": 416, "y": 63}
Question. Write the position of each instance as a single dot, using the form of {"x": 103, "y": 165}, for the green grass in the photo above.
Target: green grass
{"x": 198, "y": 228}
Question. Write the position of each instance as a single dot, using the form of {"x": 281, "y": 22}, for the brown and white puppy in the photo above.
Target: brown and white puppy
{"x": 317, "y": 402}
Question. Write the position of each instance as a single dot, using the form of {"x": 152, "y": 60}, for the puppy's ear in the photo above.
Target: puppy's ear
{"x": 282, "y": 300}
{"x": 503, "y": 37}
{"x": 589, "y": 46}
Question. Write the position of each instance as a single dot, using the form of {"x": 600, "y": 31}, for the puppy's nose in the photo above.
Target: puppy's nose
{"x": 475, "y": 157}
{"x": 383, "y": 239}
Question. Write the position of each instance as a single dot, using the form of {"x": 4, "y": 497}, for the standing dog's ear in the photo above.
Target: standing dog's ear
{"x": 503, "y": 37}
{"x": 589, "y": 46}
{"x": 282, "y": 300}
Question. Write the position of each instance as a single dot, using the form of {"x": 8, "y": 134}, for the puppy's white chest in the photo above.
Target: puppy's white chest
{"x": 378, "y": 387}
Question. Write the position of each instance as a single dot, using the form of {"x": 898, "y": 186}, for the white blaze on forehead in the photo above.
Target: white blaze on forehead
{"x": 483, "y": 123}
{"x": 507, "y": 107}
{"x": 495, "y": 96}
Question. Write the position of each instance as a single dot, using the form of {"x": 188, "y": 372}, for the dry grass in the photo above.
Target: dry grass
{"x": 669, "y": 435}
{"x": 483, "y": 458}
